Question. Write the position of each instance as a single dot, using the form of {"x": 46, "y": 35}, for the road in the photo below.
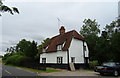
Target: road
{"x": 0, "y": 71}
{"x": 13, "y": 71}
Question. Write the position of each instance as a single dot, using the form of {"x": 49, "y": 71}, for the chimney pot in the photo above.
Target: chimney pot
{"x": 62, "y": 30}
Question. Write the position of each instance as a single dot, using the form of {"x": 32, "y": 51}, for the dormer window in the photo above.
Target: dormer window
{"x": 64, "y": 43}
{"x": 84, "y": 48}
{"x": 44, "y": 50}
{"x": 59, "y": 47}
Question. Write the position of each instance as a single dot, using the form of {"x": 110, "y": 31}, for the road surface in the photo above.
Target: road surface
{"x": 13, "y": 71}
{"x": 0, "y": 71}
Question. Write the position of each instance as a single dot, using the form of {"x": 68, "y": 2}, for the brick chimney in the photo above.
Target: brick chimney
{"x": 62, "y": 30}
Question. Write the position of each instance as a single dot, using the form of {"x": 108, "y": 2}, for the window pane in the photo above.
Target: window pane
{"x": 85, "y": 48}
{"x": 73, "y": 59}
{"x": 59, "y": 60}
{"x": 43, "y": 60}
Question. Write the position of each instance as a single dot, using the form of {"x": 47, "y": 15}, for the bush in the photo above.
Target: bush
{"x": 6, "y": 56}
{"x": 92, "y": 64}
{"x": 37, "y": 57}
{"x": 14, "y": 60}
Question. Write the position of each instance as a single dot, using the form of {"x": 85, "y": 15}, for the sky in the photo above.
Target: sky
{"x": 38, "y": 20}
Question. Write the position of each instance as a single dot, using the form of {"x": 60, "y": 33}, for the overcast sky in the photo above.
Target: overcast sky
{"x": 38, "y": 20}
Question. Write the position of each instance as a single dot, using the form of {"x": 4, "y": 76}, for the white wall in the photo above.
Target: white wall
{"x": 87, "y": 51}
{"x": 76, "y": 50}
{"x": 52, "y": 56}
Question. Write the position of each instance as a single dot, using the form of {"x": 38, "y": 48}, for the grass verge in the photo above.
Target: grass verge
{"x": 48, "y": 70}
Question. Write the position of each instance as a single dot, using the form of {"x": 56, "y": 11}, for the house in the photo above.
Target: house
{"x": 66, "y": 48}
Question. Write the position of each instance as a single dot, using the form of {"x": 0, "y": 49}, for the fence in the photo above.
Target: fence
{"x": 34, "y": 65}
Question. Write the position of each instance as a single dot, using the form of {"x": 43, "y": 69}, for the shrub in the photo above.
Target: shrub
{"x": 92, "y": 64}
{"x": 6, "y": 56}
{"x": 15, "y": 59}
{"x": 37, "y": 57}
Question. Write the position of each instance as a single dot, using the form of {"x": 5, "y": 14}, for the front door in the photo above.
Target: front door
{"x": 72, "y": 59}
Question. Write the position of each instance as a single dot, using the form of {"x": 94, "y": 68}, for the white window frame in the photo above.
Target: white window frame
{"x": 85, "y": 49}
{"x": 59, "y": 60}
{"x": 43, "y": 60}
{"x": 44, "y": 50}
{"x": 59, "y": 47}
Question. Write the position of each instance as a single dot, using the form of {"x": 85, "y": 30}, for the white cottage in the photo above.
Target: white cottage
{"x": 66, "y": 48}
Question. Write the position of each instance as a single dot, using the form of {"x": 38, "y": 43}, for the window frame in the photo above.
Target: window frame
{"x": 43, "y": 60}
{"x": 59, "y": 47}
{"x": 85, "y": 49}
{"x": 59, "y": 60}
{"x": 72, "y": 59}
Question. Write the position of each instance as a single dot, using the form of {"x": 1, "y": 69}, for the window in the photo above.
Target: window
{"x": 59, "y": 47}
{"x": 43, "y": 50}
{"x": 72, "y": 59}
{"x": 118, "y": 64}
{"x": 59, "y": 60}
{"x": 43, "y": 60}
{"x": 84, "y": 48}
{"x": 109, "y": 64}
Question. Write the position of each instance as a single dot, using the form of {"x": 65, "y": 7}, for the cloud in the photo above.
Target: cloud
{"x": 38, "y": 20}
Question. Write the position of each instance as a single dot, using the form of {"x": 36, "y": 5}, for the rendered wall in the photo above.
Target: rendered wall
{"x": 52, "y": 56}
{"x": 76, "y": 50}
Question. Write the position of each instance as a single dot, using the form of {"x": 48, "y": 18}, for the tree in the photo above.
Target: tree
{"x": 115, "y": 46}
{"x": 108, "y": 43}
{"x": 27, "y": 47}
{"x": 112, "y": 28}
{"x": 4, "y": 8}
{"x": 90, "y": 27}
{"x": 90, "y": 31}
{"x": 22, "y": 46}
{"x": 32, "y": 49}
{"x": 42, "y": 43}
{"x": 102, "y": 49}
{"x": 11, "y": 49}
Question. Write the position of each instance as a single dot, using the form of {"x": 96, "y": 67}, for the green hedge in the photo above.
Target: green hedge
{"x": 17, "y": 58}
{"x": 14, "y": 59}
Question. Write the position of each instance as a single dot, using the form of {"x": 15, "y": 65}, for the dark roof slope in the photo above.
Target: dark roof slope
{"x": 65, "y": 38}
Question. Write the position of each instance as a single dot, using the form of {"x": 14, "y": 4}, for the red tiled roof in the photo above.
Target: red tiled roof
{"x": 66, "y": 38}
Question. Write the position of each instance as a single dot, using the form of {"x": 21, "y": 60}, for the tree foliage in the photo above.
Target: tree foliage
{"x": 110, "y": 29}
{"x": 42, "y": 43}
{"x": 90, "y": 27}
{"x": 4, "y": 8}
{"x": 27, "y": 47}
{"x": 104, "y": 47}
{"x": 115, "y": 46}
